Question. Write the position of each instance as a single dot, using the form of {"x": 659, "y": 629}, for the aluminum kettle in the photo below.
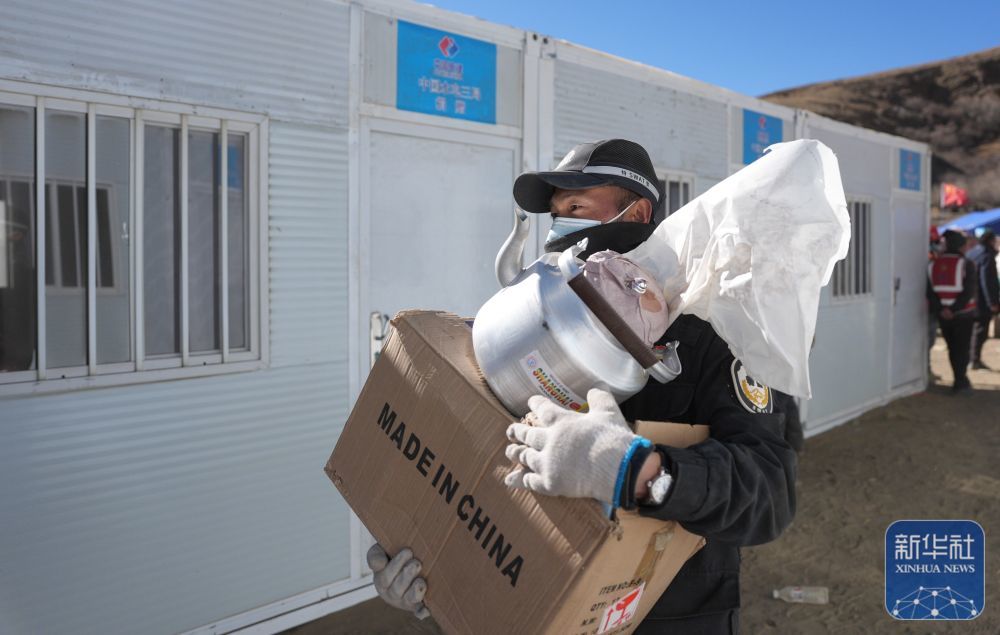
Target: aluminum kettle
{"x": 549, "y": 332}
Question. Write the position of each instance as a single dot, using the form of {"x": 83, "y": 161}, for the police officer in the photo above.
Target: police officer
{"x": 952, "y": 289}
{"x": 734, "y": 489}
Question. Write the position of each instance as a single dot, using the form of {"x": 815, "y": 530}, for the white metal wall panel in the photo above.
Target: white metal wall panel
{"x": 849, "y": 365}
{"x": 909, "y": 304}
{"x": 864, "y": 163}
{"x": 308, "y": 246}
{"x": 162, "y": 507}
{"x": 680, "y": 131}
{"x": 463, "y": 175}
{"x": 287, "y": 59}
{"x": 702, "y": 185}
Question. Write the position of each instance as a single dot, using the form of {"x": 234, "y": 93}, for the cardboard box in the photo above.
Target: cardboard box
{"x": 421, "y": 462}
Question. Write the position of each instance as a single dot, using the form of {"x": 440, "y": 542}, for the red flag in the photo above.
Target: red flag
{"x": 953, "y": 196}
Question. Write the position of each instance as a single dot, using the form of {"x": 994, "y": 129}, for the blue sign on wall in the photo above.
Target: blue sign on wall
{"x": 909, "y": 170}
{"x": 935, "y": 570}
{"x": 759, "y": 131}
{"x": 444, "y": 74}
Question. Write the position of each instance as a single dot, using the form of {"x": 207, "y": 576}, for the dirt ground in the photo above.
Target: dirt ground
{"x": 932, "y": 455}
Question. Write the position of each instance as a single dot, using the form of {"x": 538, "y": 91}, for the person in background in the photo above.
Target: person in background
{"x": 952, "y": 290}
{"x": 984, "y": 254}
{"x": 996, "y": 320}
{"x": 970, "y": 241}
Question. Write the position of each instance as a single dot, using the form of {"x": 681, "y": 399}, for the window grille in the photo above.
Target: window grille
{"x": 852, "y": 276}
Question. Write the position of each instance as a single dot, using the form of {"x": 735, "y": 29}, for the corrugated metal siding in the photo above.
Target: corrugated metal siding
{"x": 287, "y": 59}
{"x": 159, "y": 508}
{"x": 308, "y": 246}
{"x": 680, "y": 131}
{"x": 163, "y": 507}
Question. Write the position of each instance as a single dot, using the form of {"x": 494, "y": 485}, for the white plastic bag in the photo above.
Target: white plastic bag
{"x": 751, "y": 254}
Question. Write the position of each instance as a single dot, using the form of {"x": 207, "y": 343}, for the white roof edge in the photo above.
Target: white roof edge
{"x": 576, "y": 53}
{"x": 445, "y": 19}
{"x": 858, "y": 131}
{"x": 579, "y": 54}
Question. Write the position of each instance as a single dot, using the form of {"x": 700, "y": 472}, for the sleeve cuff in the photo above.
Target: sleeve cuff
{"x": 690, "y": 482}
{"x": 624, "y": 494}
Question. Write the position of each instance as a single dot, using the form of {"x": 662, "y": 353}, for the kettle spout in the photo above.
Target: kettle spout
{"x": 508, "y": 263}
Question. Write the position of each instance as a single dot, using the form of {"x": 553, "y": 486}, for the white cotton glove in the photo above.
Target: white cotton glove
{"x": 396, "y": 580}
{"x": 575, "y": 454}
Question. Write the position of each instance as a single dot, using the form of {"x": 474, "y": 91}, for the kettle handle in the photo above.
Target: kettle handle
{"x": 663, "y": 371}
{"x": 607, "y": 316}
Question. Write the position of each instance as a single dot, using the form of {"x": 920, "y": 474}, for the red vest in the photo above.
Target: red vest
{"x": 947, "y": 274}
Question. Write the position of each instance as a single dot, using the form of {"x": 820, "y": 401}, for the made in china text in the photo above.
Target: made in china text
{"x": 480, "y": 526}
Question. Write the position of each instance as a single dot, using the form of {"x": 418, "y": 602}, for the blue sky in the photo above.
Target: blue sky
{"x": 758, "y": 47}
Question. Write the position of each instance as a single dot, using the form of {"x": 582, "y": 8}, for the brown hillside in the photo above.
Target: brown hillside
{"x": 953, "y": 105}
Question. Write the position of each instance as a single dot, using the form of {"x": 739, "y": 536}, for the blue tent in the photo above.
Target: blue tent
{"x": 970, "y": 222}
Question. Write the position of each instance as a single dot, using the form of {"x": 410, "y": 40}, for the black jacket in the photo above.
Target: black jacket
{"x": 736, "y": 488}
{"x": 989, "y": 287}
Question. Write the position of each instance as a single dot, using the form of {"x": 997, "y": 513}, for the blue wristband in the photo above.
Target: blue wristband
{"x": 637, "y": 443}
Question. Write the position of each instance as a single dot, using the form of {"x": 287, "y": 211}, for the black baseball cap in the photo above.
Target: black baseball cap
{"x": 608, "y": 162}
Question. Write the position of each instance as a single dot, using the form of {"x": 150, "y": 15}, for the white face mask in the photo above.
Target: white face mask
{"x": 564, "y": 225}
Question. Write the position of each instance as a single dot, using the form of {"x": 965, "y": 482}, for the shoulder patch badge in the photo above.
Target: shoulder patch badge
{"x": 752, "y": 395}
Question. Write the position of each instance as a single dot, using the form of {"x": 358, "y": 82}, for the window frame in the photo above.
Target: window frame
{"x": 666, "y": 177}
{"x": 140, "y": 369}
{"x": 59, "y": 287}
{"x": 842, "y": 276}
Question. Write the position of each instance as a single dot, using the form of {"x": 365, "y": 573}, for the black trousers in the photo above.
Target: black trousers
{"x": 980, "y": 331}
{"x": 957, "y": 332}
{"x": 725, "y": 623}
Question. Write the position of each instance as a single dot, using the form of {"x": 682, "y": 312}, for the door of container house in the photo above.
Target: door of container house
{"x": 909, "y": 270}
{"x": 435, "y": 205}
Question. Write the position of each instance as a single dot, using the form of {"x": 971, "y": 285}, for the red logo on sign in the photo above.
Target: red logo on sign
{"x": 448, "y": 46}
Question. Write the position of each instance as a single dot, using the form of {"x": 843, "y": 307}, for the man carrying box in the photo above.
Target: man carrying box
{"x": 735, "y": 489}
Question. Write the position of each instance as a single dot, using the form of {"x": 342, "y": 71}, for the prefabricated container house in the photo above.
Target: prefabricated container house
{"x": 209, "y": 212}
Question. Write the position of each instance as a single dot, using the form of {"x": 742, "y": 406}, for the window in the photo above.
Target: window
{"x": 677, "y": 193}
{"x": 852, "y": 276}
{"x": 163, "y": 245}
{"x": 139, "y": 251}
{"x": 66, "y": 218}
{"x": 18, "y": 319}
